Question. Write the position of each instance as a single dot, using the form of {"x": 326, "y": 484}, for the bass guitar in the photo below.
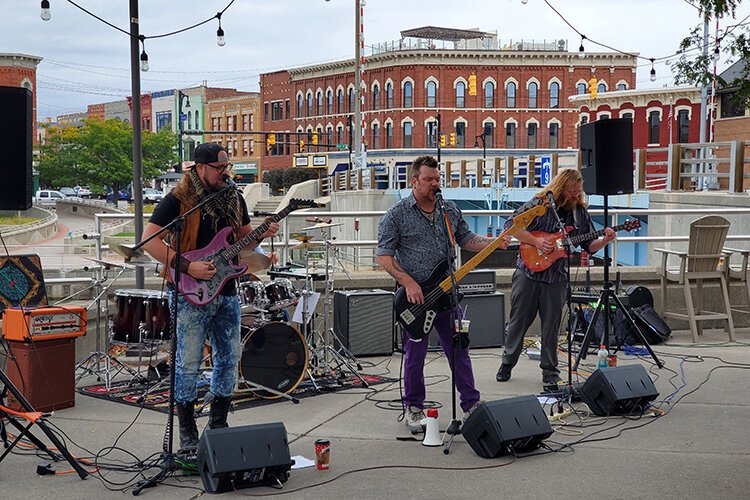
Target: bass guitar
{"x": 538, "y": 261}
{"x": 418, "y": 319}
{"x": 202, "y": 292}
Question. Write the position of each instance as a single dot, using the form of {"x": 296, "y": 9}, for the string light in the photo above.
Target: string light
{"x": 524, "y": 2}
{"x": 717, "y": 54}
{"x": 581, "y": 51}
{"x": 46, "y": 14}
{"x": 653, "y": 71}
{"x": 220, "y": 41}
{"x": 144, "y": 56}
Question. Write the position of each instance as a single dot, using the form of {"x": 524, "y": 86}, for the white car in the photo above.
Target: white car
{"x": 82, "y": 192}
{"x": 48, "y": 197}
{"x": 152, "y": 195}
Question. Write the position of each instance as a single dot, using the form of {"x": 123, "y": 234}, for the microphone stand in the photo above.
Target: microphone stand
{"x": 454, "y": 428}
{"x": 568, "y": 244}
{"x": 167, "y": 463}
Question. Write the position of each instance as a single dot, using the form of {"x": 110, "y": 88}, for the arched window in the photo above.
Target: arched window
{"x": 533, "y": 91}
{"x": 408, "y": 96}
{"x": 510, "y": 95}
{"x": 389, "y": 135}
{"x": 310, "y": 104}
{"x": 510, "y": 135}
{"x": 351, "y": 99}
{"x": 407, "y": 135}
{"x": 601, "y": 88}
{"x": 376, "y": 97}
{"x": 581, "y": 89}
{"x": 329, "y": 102}
{"x": 489, "y": 135}
{"x": 389, "y": 95}
{"x": 554, "y": 95}
{"x": 431, "y": 134}
{"x": 531, "y": 129}
{"x": 190, "y": 120}
{"x": 460, "y": 95}
{"x": 340, "y": 102}
{"x": 489, "y": 95}
{"x": 375, "y": 136}
{"x": 622, "y": 86}
{"x": 431, "y": 94}
{"x": 554, "y": 135}
{"x": 320, "y": 103}
{"x": 300, "y": 106}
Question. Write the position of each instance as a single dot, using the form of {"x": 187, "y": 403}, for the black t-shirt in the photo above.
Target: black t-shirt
{"x": 169, "y": 209}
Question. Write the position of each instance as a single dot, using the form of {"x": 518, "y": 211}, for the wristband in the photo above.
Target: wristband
{"x": 184, "y": 264}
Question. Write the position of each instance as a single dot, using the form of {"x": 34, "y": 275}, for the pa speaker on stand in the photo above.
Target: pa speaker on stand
{"x": 15, "y": 141}
{"x": 607, "y": 156}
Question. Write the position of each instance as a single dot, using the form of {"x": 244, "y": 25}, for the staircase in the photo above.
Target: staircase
{"x": 267, "y": 205}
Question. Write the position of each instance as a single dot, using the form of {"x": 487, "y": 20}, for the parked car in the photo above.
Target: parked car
{"x": 122, "y": 194}
{"x": 82, "y": 192}
{"x": 48, "y": 197}
{"x": 152, "y": 195}
{"x": 68, "y": 191}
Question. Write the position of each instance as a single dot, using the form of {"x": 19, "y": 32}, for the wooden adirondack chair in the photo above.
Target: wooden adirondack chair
{"x": 704, "y": 260}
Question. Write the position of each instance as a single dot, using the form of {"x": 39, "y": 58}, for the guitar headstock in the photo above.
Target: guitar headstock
{"x": 631, "y": 224}
{"x": 524, "y": 219}
{"x": 296, "y": 204}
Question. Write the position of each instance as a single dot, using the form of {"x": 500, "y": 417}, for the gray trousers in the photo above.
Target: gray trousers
{"x": 527, "y": 298}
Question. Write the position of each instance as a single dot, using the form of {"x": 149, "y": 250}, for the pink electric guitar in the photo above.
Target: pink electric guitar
{"x": 202, "y": 292}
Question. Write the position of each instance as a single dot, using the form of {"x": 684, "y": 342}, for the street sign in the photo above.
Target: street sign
{"x": 342, "y": 147}
{"x": 546, "y": 174}
{"x": 183, "y": 117}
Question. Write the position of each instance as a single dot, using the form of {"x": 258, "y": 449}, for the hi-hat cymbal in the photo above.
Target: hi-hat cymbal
{"x": 104, "y": 263}
{"x": 303, "y": 237}
{"x": 127, "y": 251}
{"x": 255, "y": 261}
{"x": 307, "y": 245}
{"x": 322, "y": 225}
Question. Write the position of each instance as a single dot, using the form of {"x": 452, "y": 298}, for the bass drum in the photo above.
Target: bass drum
{"x": 274, "y": 355}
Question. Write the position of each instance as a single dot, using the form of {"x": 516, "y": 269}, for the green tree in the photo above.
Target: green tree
{"x": 696, "y": 68}
{"x": 100, "y": 153}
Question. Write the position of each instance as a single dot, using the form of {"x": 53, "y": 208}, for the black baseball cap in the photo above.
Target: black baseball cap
{"x": 208, "y": 152}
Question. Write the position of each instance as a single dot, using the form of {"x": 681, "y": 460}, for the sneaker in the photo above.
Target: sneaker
{"x": 552, "y": 381}
{"x": 413, "y": 417}
{"x": 468, "y": 412}
{"x": 503, "y": 374}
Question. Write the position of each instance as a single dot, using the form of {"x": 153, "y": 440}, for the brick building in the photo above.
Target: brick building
{"x": 19, "y": 70}
{"x": 237, "y": 113}
{"x": 521, "y": 99}
{"x": 146, "y": 111}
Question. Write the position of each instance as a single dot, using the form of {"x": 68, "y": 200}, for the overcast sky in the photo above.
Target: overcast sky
{"x": 86, "y": 61}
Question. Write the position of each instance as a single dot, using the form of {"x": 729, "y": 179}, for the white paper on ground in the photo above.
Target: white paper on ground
{"x": 301, "y": 462}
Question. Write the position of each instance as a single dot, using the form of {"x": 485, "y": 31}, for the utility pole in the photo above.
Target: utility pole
{"x": 135, "y": 83}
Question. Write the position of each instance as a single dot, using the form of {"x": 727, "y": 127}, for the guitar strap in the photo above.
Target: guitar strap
{"x": 450, "y": 230}
{"x": 576, "y": 217}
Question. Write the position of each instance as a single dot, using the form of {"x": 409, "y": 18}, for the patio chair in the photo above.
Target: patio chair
{"x": 704, "y": 260}
{"x": 741, "y": 273}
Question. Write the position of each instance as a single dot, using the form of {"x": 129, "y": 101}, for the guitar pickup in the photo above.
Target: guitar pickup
{"x": 407, "y": 317}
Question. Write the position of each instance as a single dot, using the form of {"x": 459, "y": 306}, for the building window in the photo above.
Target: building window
{"x": 408, "y": 95}
{"x": 531, "y": 135}
{"x": 489, "y": 95}
{"x": 730, "y": 107}
{"x": 489, "y": 135}
{"x": 340, "y": 135}
{"x": 622, "y": 86}
{"x": 351, "y": 100}
{"x": 407, "y": 134}
{"x": 431, "y": 94}
{"x": 584, "y": 120}
{"x": 319, "y": 99}
{"x": 460, "y": 95}
{"x": 510, "y": 135}
{"x": 683, "y": 126}
{"x": 510, "y": 95}
{"x": 601, "y": 88}
{"x": 190, "y": 120}
{"x": 277, "y": 112}
{"x": 310, "y": 104}
{"x": 376, "y": 97}
{"x": 653, "y": 127}
{"x": 533, "y": 91}
{"x": 340, "y": 101}
{"x": 581, "y": 89}
{"x": 554, "y": 95}
{"x": 430, "y": 132}
{"x": 245, "y": 148}
{"x": 265, "y": 112}
{"x": 300, "y": 106}
{"x": 460, "y": 135}
{"x": 288, "y": 109}
{"x": 329, "y": 135}
{"x": 389, "y": 95}
{"x": 245, "y": 123}
{"x": 389, "y": 135}
{"x": 627, "y": 115}
{"x": 554, "y": 134}
{"x": 375, "y": 136}
{"x": 163, "y": 119}
{"x": 329, "y": 102}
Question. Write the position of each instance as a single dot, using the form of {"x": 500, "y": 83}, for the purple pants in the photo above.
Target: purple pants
{"x": 414, "y": 357}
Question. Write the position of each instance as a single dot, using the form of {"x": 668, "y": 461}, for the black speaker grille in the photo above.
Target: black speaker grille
{"x": 15, "y": 142}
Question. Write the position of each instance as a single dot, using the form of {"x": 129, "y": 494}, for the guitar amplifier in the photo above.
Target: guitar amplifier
{"x": 363, "y": 321}
{"x": 44, "y": 323}
{"x": 478, "y": 281}
{"x": 487, "y": 315}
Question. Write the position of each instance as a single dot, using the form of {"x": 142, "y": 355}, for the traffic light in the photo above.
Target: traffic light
{"x": 442, "y": 140}
{"x": 270, "y": 141}
{"x": 301, "y": 146}
{"x": 592, "y": 87}
{"x": 452, "y": 139}
{"x": 472, "y": 84}
{"x": 315, "y": 138}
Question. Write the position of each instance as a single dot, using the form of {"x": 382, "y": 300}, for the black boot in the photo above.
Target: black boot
{"x": 217, "y": 419}
{"x": 188, "y": 429}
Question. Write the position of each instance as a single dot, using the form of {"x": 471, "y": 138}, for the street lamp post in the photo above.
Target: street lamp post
{"x": 484, "y": 144}
{"x": 135, "y": 84}
{"x": 180, "y": 95}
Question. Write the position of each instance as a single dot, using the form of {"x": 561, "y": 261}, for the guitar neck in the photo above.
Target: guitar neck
{"x": 234, "y": 250}
{"x": 593, "y": 235}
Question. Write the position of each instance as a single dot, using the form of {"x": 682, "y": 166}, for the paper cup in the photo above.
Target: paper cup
{"x": 322, "y": 454}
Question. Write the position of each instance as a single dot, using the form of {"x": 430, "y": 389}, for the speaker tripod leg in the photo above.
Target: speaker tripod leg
{"x": 454, "y": 428}
{"x": 586, "y": 342}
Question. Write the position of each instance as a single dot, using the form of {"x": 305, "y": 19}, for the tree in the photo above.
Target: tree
{"x": 734, "y": 41}
{"x": 100, "y": 154}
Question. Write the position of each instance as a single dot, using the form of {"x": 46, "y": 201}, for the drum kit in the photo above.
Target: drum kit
{"x": 276, "y": 356}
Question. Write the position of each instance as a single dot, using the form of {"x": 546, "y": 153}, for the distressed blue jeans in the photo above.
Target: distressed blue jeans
{"x": 218, "y": 322}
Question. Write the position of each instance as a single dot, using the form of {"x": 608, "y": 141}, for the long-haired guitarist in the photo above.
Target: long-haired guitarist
{"x": 218, "y": 320}
{"x": 411, "y": 244}
{"x": 543, "y": 292}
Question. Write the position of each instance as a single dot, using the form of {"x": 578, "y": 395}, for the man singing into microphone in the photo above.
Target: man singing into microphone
{"x": 219, "y": 320}
{"x": 543, "y": 292}
{"x": 411, "y": 244}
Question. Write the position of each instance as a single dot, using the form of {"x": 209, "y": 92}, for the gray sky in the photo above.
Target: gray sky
{"x": 86, "y": 61}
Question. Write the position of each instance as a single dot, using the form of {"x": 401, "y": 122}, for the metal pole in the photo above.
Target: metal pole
{"x": 438, "y": 138}
{"x": 701, "y": 181}
{"x": 179, "y": 130}
{"x": 358, "y": 80}
{"x": 135, "y": 81}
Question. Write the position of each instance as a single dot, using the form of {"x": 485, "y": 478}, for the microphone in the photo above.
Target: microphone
{"x": 228, "y": 180}
{"x": 551, "y": 198}
{"x": 438, "y": 193}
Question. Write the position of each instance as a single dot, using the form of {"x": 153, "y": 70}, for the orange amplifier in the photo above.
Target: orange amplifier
{"x": 44, "y": 323}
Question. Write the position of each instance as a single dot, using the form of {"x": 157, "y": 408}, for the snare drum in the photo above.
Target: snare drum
{"x": 280, "y": 294}
{"x": 135, "y": 307}
{"x": 253, "y": 296}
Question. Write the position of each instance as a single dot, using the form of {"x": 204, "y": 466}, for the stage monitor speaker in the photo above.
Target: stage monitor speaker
{"x": 607, "y": 156}
{"x": 487, "y": 315}
{"x": 500, "y": 427}
{"x": 239, "y": 457}
{"x": 618, "y": 390}
{"x": 363, "y": 321}
{"x": 44, "y": 371}
{"x": 16, "y": 135}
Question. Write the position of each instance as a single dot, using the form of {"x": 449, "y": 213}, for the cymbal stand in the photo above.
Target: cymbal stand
{"x": 308, "y": 331}
{"x": 100, "y": 362}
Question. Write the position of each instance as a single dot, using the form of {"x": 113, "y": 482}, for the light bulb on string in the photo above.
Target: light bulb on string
{"x": 220, "y": 41}
{"x": 144, "y": 58}
{"x": 581, "y": 50}
{"x": 653, "y": 71}
{"x": 524, "y": 2}
{"x": 46, "y": 15}
{"x": 717, "y": 54}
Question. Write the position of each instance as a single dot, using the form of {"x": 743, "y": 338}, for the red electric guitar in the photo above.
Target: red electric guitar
{"x": 538, "y": 261}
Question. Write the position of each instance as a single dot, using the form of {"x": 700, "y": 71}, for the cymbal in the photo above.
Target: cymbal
{"x": 307, "y": 245}
{"x": 303, "y": 237}
{"x": 127, "y": 251}
{"x": 104, "y": 263}
{"x": 322, "y": 225}
{"x": 255, "y": 261}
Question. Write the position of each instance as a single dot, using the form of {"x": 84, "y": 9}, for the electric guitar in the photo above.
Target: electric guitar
{"x": 202, "y": 292}
{"x": 538, "y": 261}
{"x": 418, "y": 319}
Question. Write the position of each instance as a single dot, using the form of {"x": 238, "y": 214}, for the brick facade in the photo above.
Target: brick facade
{"x": 238, "y": 113}
{"x": 19, "y": 70}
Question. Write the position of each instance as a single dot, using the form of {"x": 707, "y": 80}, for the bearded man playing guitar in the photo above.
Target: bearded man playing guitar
{"x": 411, "y": 248}
{"x": 543, "y": 292}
